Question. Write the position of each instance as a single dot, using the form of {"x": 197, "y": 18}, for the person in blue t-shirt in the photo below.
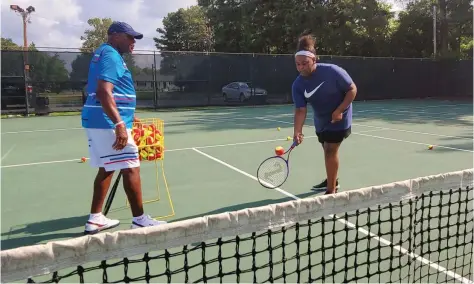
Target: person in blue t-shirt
{"x": 330, "y": 92}
{"x": 107, "y": 116}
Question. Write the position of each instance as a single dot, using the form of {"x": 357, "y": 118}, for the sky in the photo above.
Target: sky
{"x": 60, "y": 23}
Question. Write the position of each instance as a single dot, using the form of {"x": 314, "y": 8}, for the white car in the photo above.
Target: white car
{"x": 241, "y": 91}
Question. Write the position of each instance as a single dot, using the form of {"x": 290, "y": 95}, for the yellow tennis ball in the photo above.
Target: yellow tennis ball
{"x": 278, "y": 128}
{"x": 430, "y": 147}
{"x": 288, "y": 138}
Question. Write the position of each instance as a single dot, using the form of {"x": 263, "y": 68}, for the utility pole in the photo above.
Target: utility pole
{"x": 25, "y": 15}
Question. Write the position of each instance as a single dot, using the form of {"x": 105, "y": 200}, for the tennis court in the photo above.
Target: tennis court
{"x": 210, "y": 165}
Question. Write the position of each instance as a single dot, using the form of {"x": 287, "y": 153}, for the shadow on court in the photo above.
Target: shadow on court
{"x": 406, "y": 112}
{"x": 35, "y": 233}
{"x": 247, "y": 205}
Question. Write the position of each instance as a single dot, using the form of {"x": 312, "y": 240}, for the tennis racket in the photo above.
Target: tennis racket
{"x": 112, "y": 194}
{"x": 274, "y": 171}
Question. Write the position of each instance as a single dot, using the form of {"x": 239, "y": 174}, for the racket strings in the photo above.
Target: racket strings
{"x": 273, "y": 172}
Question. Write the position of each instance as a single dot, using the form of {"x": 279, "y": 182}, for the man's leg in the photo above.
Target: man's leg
{"x": 133, "y": 189}
{"x": 331, "y": 158}
{"x": 97, "y": 221}
{"x": 101, "y": 186}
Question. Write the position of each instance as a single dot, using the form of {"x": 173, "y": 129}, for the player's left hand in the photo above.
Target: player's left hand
{"x": 336, "y": 116}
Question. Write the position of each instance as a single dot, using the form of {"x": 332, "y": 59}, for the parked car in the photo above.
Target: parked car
{"x": 13, "y": 92}
{"x": 241, "y": 91}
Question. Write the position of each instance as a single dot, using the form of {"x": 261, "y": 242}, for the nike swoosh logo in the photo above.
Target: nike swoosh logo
{"x": 308, "y": 95}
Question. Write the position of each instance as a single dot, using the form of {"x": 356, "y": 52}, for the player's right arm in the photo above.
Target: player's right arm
{"x": 300, "y": 112}
{"x": 106, "y": 98}
{"x": 110, "y": 70}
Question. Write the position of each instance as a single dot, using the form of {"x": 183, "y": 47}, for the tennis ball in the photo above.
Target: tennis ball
{"x": 136, "y": 138}
{"x": 278, "y": 128}
{"x": 150, "y": 140}
{"x": 143, "y": 154}
{"x": 430, "y": 147}
{"x": 279, "y": 151}
{"x": 151, "y": 157}
{"x": 83, "y": 159}
{"x": 288, "y": 138}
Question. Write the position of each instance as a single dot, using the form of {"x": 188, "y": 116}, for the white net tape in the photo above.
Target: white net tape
{"x": 24, "y": 262}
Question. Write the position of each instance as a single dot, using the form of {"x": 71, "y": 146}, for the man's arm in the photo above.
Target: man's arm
{"x": 111, "y": 69}
{"x": 105, "y": 96}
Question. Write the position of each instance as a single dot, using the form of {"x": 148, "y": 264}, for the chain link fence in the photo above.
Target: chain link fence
{"x": 54, "y": 81}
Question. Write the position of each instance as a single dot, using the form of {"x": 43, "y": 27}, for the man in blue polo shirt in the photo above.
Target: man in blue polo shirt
{"x": 108, "y": 116}
{"x": 330, "y": 91}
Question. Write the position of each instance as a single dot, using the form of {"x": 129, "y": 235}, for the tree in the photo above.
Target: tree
{"x": 454, "y": 23}
{"x": 46, "y": 68}
{"x": 93, "y": 38}
{"x": 414, "y": 37}
{"x": 186, "y": 29}
{"x": 97, "y": 35}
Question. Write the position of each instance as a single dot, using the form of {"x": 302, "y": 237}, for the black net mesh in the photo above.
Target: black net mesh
{"x": 427, "y": 238}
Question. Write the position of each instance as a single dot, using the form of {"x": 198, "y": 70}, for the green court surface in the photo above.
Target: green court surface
{"x": 211, "y": 157}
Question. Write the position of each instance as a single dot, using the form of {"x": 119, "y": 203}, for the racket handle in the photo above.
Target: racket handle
{"x": 294, "y": 144}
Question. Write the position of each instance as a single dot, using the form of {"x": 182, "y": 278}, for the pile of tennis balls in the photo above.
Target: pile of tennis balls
{"x": 149, "y": 140}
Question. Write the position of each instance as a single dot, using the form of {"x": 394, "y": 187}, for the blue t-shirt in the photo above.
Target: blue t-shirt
{"x": 108, "y": 65}
{"x": 324, "y": 90}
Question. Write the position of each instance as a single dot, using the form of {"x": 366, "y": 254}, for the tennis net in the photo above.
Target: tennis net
{"x": 417, "y": 230}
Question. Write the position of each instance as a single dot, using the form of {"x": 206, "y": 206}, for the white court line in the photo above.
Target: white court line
{"x": 41, "y": 163}
{"x": 452, "y": 106}
{"x": 433, "y": 116}
{"x": 410, "y": 131}
{"x": 8, "y": 152}
{"x": 373, "y": 130}
{"x": 41, "y": 130}
{"x": 242, "y": 172}
{"x": 349, "y": 224}
{"x": 171, "y": 150}
{"x": 384, "y": 138}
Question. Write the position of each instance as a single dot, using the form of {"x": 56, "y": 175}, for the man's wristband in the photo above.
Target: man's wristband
{"x": 118, "y": 123}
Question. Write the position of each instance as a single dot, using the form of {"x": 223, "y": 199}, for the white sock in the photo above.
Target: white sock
{"x": 139, "y": 218}
{"x": 95, "y": 216}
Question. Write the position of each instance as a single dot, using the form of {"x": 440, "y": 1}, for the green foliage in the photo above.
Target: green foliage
{"x": 44, "y": 66}
{"x": 185, "y": 29}
{"x": 344, "y": 27}
{"x": 96, "y": 35}
{"x": 93, "y": 38}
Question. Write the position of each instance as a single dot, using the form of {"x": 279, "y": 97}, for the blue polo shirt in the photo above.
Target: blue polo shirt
{"x": 108, "y": 65}
{"x": 324, "y": 90}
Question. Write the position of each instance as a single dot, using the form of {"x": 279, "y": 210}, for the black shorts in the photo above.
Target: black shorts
{"x": 333, "y": 136}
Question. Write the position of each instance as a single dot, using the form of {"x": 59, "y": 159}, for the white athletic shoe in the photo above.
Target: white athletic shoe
{"x": 98, "y": 224}
{"x": 145, "y": 221}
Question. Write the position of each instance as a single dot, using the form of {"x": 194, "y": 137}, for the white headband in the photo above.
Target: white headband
{"x": 305, "y": 53}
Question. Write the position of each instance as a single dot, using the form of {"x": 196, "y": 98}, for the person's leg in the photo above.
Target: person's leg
{"x": 331, "y": 159}
{"x": 97, "y": 221}
{"x": 101, "y": 186}
{"x": 133, "y": 189}
{"x": 127, "y": 161}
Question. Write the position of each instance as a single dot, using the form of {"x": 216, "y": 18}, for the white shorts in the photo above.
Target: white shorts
{"x": 102, "y": 155}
